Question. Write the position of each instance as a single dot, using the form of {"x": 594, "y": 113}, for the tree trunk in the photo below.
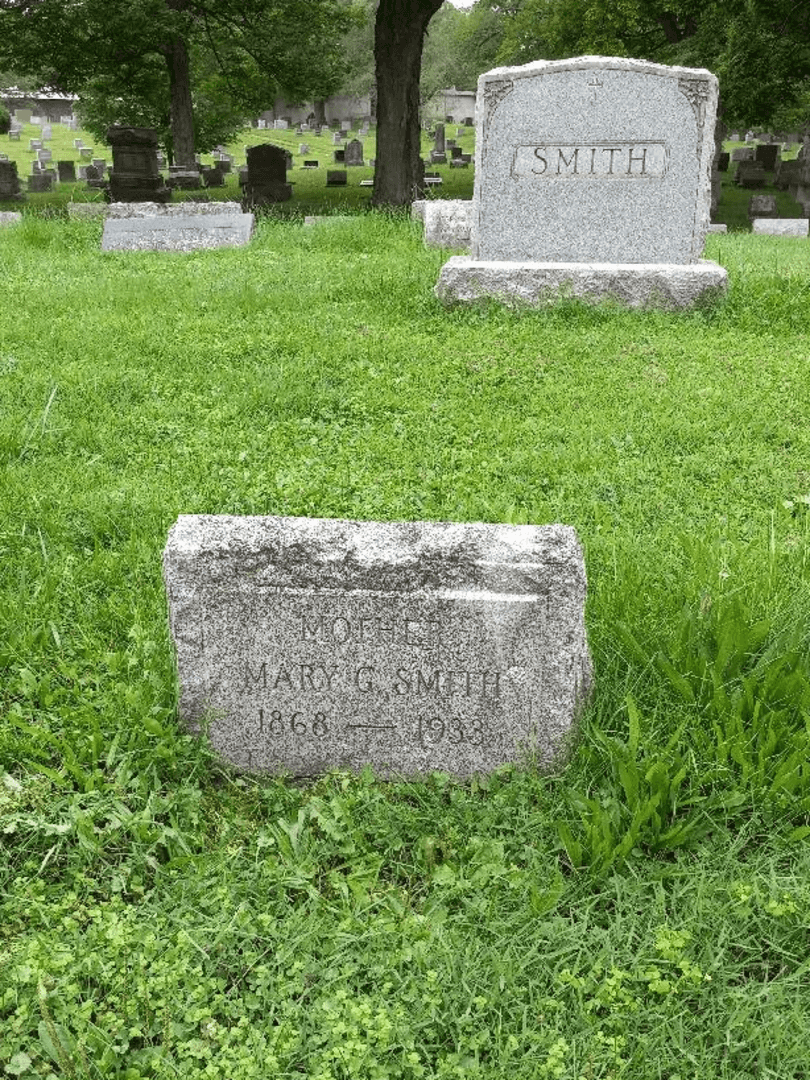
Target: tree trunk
{"x": 399, "y": 34}
{"x": 182, "y": 113}
{"x": 320, "y": 112}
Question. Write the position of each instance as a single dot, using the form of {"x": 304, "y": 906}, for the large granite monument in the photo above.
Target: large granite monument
{"x": 592, "y": 178}
{"x": 309, "y": 644}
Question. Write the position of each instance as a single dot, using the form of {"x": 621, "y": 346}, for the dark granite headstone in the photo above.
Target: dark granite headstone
{"x": 66, "y": 171}
{"x": 10, "y": 183}
{"x": 353, "y": 154}
{"x": 767, "y": 155}
{"x": 135, "y": 176}
{"x": 336, "y": 178}
{"x": 266, "y": 179}
{"x": 339, "y": 156}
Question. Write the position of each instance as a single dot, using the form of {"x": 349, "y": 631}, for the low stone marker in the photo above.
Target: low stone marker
{"x": 10, "y": 217}
{"x": 781, "y": 226}
{"x": 310, "y": 644}
{"x": 762, "y": 206}
{"x": 592, "y": 178}
{"x": 176, "y": 232}
{"x": 336, "y": 178}
{"x": 447, "y": 222}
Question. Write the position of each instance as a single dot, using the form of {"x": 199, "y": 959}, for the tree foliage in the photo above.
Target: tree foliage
{"x": 122, "y": 55}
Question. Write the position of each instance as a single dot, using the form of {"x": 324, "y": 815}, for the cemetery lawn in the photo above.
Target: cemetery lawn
{"x": 643, "y": 913}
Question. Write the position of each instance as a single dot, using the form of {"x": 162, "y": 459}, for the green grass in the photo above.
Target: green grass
{"x": 643, "y": 912}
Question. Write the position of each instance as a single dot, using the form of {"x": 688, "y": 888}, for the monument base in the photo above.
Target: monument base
{"x": 662, "y": 285}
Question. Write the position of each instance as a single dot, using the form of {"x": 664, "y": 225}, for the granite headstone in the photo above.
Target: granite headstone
{"x": 309, "y": 644}
{"x": 593, "y": 177}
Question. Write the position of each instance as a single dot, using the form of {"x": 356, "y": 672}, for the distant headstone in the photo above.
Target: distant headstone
{"x": 337, "y": 139}
{"x": 767, "y": 155}
{"x": 750, "y": 174}
{"x": 455, "y": 153}
{"x": 35, "y": 144}
{"x": 762, "y": 206}
{"x": 10, "y": 190}
{"x": 346, "y": 125}
{"x": 611, "y": 201}
{"x": 181, "y": 232}
{"x": 184, "y": 177}
{"x": 310, "y": 165}
{"x": 448, "y": 222}
{"x": 336, "y": 178}
{"x": 41, "y": 182}
{"x": 47, "y": 132}
{"x": 354, "y": 153}
{"x": 339, "y": 156}
{"x": 10, "y": 217}
{"x": 212, "y": 176}
{"x": 86, "y": 153}
{"x": 438, "y": 158}
{"x": 787, "y": 173}
{"x": 77, "y": 144}
{"x": 743, "y": 153}
{"x": 311, "y": 644}
{"x": 135, "y": 176}
{"x": 44, "y": 155}
{"x": 14, "y": 135}
{"x": 66, "y": 171}
{"x": 303, "y": 149}
{"x": 458, "y": 163}
{"x": 439, "y": 140}
{"x": 266, "y": 180}
{"x": 781, "y": 226}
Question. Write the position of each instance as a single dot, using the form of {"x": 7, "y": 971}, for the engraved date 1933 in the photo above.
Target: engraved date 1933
{"x": 432, "y": 730}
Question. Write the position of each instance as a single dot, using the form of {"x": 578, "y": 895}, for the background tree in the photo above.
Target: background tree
{"x": 399, "y": 34}
{"x": 256, "y": 48}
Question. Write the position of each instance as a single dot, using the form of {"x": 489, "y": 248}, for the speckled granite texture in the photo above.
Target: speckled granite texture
{"x": 594, "y": 159}
{"x": 780, "y": 226}
{"x": 179, "y": 209}
{"x": 181, "y": 232}
{"x": 655, "y": 285}
{"x": 310, "y": 644}
{"x": 448, "y": 222}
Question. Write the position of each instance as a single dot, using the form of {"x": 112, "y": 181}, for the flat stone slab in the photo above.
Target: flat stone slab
{"x": 465, "y": 280}
{"x": 10, "y": 217}
{"x": 310, "y": 644}
{"x": 181, "y": 232}
{"x": 720, "y": 227}
{"x": 83, "y": 211}
{"x": 781, "y": 226}
{"x": 448, "y": 222}
{"x": 180, "y": 209}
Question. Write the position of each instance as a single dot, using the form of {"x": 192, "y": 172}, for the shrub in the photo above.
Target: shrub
{"x": 5, "y": 120}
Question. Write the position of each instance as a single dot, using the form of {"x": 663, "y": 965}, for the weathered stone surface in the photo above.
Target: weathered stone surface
{"x": 10, "y": 217}
{"x": 743, "y": 153}
{"x": 674, "y": 285}
{"x": 594, "y": 159}
{"x": 447, "y": 222}
{"x": 187, "y": 232}
{"x": 718, "y": 228}
{"x": 761, "y": 206}
{"x": 312, "y": 644}
{"x": 82, "y": 211}
{"x": 780, "y": 226}
{"x": 180, "y": 209}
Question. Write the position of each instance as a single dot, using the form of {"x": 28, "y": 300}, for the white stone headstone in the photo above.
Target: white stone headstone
{"x": 781, "y": 226}
{"x": 310, "y": 644}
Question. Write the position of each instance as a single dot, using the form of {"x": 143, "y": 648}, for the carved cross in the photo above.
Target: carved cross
{"x": 595, "y": 84}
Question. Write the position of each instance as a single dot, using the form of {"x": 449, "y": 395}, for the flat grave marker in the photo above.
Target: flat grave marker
{"x": 311, "y": 644}
{"x": 180, "y": 232}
